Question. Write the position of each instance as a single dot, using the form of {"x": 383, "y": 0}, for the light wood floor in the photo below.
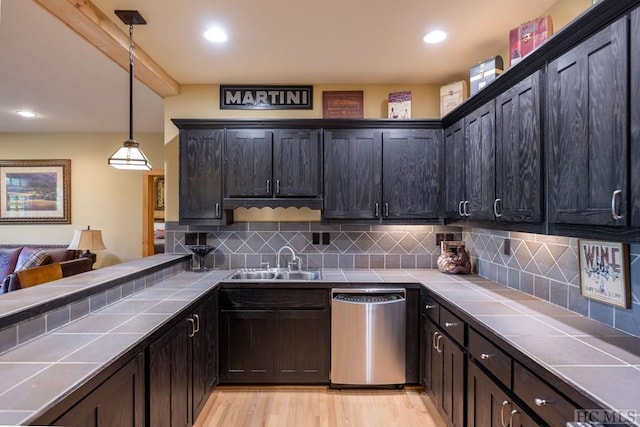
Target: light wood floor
{"x": 294, "y": 406}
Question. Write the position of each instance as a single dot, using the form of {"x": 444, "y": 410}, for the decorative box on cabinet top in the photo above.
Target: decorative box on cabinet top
{"x": 484, "y": 72}
{"x": 452, "y": 95}
{"x": 528, "y": 37}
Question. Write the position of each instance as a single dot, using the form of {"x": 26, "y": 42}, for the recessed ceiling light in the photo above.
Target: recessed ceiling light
{"x": 27, "y": 114}
{"x": 216, "y": 35}
{"x": 435, "y": 36}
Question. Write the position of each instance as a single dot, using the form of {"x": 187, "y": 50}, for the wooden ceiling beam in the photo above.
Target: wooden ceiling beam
{"x": 93, "y": 25}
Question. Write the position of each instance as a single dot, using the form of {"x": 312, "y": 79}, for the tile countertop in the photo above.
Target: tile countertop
{"x": 600, "y": 361}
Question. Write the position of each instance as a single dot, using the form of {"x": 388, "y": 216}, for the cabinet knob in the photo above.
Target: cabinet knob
{"x": 429, "y": 306}
{"x": 485, "y": 356}
{"x": 541, "y": 402}
{"x": 449, "y": 324}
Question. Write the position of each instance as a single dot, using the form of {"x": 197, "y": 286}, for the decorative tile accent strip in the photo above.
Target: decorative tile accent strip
{"x": 247, "y": 245}
{"x": 547, "y": 267}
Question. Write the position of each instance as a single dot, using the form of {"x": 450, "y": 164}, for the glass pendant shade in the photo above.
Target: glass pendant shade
{"x": 129, "y": 156}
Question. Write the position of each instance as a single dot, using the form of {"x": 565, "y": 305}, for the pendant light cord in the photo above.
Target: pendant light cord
{"x": 131, "y": 82}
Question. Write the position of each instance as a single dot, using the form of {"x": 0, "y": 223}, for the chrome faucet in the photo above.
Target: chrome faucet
{"x": 294, "y": 259}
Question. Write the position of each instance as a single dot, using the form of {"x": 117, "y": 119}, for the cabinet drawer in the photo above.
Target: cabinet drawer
{"x": 452, "y": 325}
{"x": 431, "y": 308}
{"x": 273, "y": 299}
{"x": 541, "y": 398}
{"x": 490, "y": 356}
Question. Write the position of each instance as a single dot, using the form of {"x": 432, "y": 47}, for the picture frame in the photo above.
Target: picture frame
{"x": 604, "y": 272}
{"x": 35, "y": 191}
{"x": 343, "y": 104}
{"x": 158, "y": 193}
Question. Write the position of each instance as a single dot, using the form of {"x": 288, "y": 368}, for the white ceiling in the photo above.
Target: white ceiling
{"x": 46, "y": 67}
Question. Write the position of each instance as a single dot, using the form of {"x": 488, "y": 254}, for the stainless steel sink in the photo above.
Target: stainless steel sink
{"x": 254, "y": 275}
{"x": 301, "y": 275}
{"x": 276, "y": 274}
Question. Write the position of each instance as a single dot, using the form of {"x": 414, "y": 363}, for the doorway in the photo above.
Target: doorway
{"x": 153, "y": 212}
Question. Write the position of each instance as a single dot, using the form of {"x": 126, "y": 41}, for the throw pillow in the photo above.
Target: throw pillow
{"x": 36, "y": 259}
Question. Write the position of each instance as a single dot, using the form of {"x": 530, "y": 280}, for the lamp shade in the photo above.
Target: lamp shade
{"x": 87, "y": 240}
{"x": 129, "y": 156}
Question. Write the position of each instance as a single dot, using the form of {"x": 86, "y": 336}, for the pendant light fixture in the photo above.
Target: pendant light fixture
{"x": 130, "y": 156}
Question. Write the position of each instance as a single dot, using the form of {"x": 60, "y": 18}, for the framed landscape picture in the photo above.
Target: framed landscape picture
{"x": 35, "y": 191}
{"x": 604, "y": 272}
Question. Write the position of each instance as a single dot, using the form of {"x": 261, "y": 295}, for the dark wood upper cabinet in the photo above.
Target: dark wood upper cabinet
{"x": 297, "y": 163}
{"x": 411, "y": 174}
{"x": 519, "y": 188}
{"x": 373, "y": 174}
{"x": 587, "y": 131}
{"x": 249, "y": 163}
{"x": 635, "y": 117}
{"x": 200, "y": 176}
{"x": 352, "y": 178}
{"x": 480, "y": 163}
{"x": 454, "y": 171}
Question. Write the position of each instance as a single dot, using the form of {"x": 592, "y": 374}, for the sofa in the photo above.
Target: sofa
{"x": 15, "y": 258}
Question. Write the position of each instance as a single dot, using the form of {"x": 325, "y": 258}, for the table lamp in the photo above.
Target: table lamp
{"x": 87, "y": 240}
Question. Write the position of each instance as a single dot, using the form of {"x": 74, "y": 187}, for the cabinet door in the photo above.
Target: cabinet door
{"x": 169, "y": 378}
{"x": 200, "y": 190}
{"x": 249, "y": 158}
{"x": 454, "y": 170}
{"x": 480, "y": 162}
{"x": 205, "y": 352}
{"x": 635, "y": 118}
{"x": 587, "y": 116}
{"x": 119, "y": 401}
{"x": 247, "y": 349}
{"x": 352, "y": 174}
{"x": 519, "y": 186}
{"x": 302, "y": 346}
{"x": 489, "y": 406}
{"x": 453, "y": 371}
{"x": 433, "y": 363}
{"x": 411, "y": 178}
{"x": 297, "y": 163}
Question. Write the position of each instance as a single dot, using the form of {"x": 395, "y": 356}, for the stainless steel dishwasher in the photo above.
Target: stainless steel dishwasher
{"x": 368, "y": 336}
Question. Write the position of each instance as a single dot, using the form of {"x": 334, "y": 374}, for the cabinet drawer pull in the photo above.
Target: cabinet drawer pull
{"x": 449, "y": 324}
{"x": 277, "y": 186}
{"x": 386, "y": 209}
{"x": 268, "y": 186}
{"x": 615, "y": 198}
{"x": 460, "y": 205}
{"x": 495, "y": 208}
{"x": 504, "y": 403}
{"x": 376, "y": 210}
{"x": 197, "y": 321}
{"x": 513, "y": 412}
{"x": 217, "y": 210}
{"x": 193, "y": 327}
{"x": 541, "y": 402}
{"x": 433, "y": 340}
{"x": 438, "y": 343}
{"x": 466, "y": 208}
{"x": 485, "y": 356}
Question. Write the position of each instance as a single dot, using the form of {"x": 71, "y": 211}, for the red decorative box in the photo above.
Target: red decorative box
{"x": 527, "y": 37}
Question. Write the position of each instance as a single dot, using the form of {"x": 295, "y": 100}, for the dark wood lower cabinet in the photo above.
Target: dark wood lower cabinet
{"x": 183, "y": 367}
{"x": 119, "y": 401}
{"x": 444, "y": 371}
{"x": 275, "y": 346}
{"x": 170, "y": 378}
{"x": 488, "y": 405}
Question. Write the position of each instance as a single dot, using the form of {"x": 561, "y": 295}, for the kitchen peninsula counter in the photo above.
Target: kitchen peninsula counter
{"x": 600, "y": 362}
